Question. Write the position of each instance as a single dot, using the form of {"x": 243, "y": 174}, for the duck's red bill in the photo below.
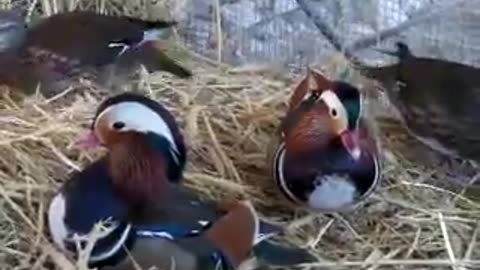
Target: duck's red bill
{"x": 87, "y": 141}
{"x": 350, "y": 141}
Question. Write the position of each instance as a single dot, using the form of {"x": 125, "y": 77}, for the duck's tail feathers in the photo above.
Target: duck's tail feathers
{"x": 152, "y": 57}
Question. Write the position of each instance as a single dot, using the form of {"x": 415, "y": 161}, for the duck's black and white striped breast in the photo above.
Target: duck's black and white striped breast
{"x": 111, "y": 238}
{"x": 56, "y": 221}
{"x": 279, "y": 176}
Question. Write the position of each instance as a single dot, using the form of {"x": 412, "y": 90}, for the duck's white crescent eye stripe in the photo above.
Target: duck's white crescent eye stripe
{"x": 333, "y": 102}
{"x": 331, "y": 99}
{"x": 140, "y": 118}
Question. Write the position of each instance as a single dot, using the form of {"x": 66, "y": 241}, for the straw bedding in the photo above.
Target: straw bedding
{"x": 228, "y": 119}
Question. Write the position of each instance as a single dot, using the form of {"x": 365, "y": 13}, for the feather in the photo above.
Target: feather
{"x": 138, "y": 171}
{"x": 312, "y": 82}
{"x": 234, "y": 234}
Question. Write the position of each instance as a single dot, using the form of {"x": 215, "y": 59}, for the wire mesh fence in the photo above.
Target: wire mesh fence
{"x": 296, "y": 32}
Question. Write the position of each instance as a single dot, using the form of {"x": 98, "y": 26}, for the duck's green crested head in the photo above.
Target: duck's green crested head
{"x": 322, "y": 112}
{"x": 350, "y": 98}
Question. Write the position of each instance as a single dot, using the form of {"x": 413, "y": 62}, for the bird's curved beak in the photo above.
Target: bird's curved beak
{"x": 88, "y": 141}
{"x": 350, "y": 141}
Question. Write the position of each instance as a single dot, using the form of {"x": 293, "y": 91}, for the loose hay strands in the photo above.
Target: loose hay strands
{"x": 399, "y": 228}
{"x": 228, "y": 120}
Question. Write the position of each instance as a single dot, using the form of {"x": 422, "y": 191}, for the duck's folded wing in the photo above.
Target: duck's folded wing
{"x": 180, "y": 207}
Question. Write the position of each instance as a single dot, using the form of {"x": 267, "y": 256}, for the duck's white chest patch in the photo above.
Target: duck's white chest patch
{"x": 332, "y": 192}
{"x": 56, "y": 224}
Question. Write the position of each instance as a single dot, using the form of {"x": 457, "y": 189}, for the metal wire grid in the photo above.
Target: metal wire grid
{"x": 286, "y": 30}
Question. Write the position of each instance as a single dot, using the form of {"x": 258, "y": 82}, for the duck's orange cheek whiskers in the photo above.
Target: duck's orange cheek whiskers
{"x": 350, "y": 141}
{"x": 88, "y": 141}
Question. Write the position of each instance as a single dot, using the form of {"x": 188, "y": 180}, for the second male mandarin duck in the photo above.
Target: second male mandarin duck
{"x": 325, "y": 155}
{"x": 135, "y": 187}
{"x": 54, "y": 53}
{"x": 438, "y": 100}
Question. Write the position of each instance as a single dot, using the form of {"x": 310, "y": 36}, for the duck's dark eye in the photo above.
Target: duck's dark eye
{"x": 118, "y": 125}
{"x": 333, "y": 112}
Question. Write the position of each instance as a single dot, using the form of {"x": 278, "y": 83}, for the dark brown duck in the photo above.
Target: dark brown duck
{"x": 63, "y": 48}
{"x": 438, "y": 100}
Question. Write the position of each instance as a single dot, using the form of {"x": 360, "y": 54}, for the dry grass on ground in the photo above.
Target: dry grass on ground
{"x": 228, "y": 120}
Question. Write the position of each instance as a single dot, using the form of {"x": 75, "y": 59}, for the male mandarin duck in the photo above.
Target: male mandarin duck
{"x": 138, "y": 132}
{"x": 136, "y": 188}
{"x": 65, "y": 47}
{"x": 325, "y": 156}
{"x": 438, "y": 100}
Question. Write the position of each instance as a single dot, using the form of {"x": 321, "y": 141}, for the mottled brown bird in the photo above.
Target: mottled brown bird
{"x": 438, "y": 100}
{"x": 63, "y": 48}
